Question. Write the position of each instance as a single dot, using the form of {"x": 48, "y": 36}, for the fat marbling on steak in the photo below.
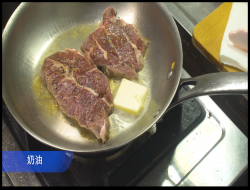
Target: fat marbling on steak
{"x": 80, "y": 89}
{"x": 116, "y": 46}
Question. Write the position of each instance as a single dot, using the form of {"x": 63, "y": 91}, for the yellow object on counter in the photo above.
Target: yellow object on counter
{"x": 130, "y": 97}
{"x": 208, "y": 33}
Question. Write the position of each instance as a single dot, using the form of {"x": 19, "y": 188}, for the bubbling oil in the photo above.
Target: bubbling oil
{"x": 44, "y": 99}
{"x": 49, "y": 108}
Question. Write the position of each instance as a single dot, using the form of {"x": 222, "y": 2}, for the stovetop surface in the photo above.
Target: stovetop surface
{"x": 114, "y": 168}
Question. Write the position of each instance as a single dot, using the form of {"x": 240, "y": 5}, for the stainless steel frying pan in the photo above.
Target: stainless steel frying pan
{"x": 36, "y": 30}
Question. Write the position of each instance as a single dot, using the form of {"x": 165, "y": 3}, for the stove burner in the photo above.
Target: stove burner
{"x": 125, "y": 165}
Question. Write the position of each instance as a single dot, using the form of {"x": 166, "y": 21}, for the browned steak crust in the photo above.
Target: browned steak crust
{"x": 117, "y": 47}
{"x": 81, "y": 90}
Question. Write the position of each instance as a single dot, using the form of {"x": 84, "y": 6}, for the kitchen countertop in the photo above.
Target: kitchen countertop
{"x": 190, "y": 14}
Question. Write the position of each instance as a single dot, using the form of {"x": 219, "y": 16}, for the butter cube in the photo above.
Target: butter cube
{"x": 130, "y": 97}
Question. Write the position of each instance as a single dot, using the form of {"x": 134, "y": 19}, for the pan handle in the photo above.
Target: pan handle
{"x": 213, "y": 84}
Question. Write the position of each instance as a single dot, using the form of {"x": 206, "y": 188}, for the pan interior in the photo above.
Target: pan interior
{"x": 36, "y": 30}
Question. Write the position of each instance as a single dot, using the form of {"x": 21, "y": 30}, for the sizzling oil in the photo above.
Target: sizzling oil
{"x": 73, "y": 38}
{"x": 44, "y": 99}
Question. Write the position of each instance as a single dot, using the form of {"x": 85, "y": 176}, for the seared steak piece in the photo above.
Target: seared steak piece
{"x": 81, "y": 90}
{"x": 116, "y": 47}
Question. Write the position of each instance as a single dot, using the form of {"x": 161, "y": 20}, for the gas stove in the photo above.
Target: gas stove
{"x": 200, "y": 142}
{"x": 124, "y": 166}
